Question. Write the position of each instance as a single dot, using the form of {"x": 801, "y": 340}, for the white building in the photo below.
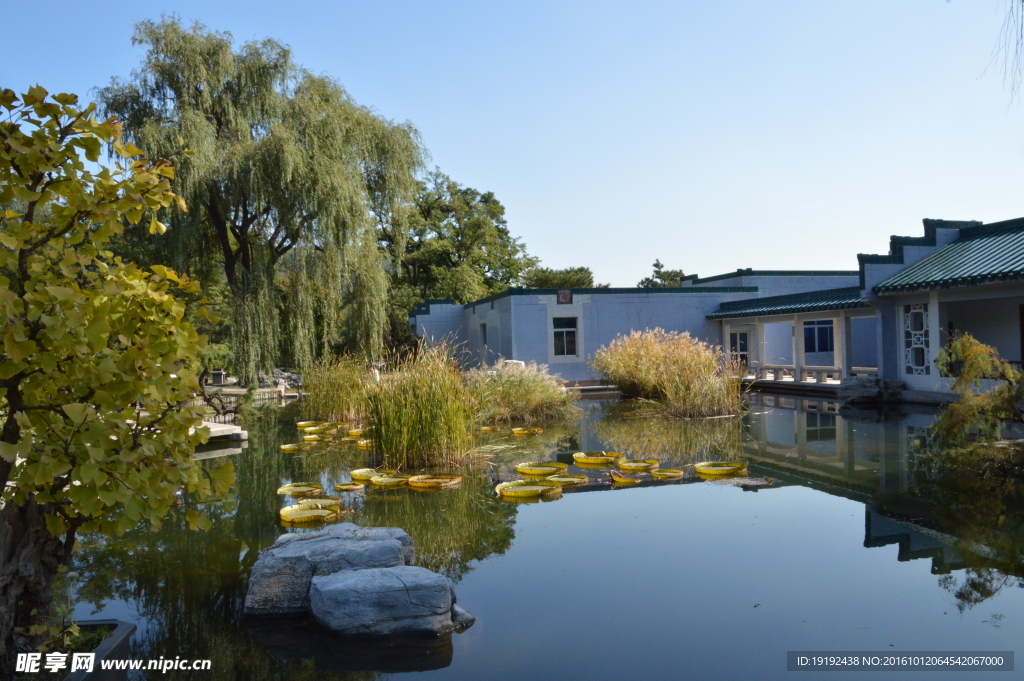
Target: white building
{"x": 888, "y": 319}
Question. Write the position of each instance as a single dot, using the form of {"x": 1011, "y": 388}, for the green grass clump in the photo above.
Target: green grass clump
{"x": 335, "y": 389}
{"x": 420, "y": 413}
{"x": 691, "y": 378}
{"x": 520, "y": 392}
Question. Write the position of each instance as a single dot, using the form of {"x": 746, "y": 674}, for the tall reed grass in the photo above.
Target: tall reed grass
{"x": 335, "y": 389}
{"x": 420, "y": 412}
{"x": 691, "y": 378}
{"x": 511, "y": 391}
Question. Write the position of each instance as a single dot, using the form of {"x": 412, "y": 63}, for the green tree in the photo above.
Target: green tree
{"x": 570, "y": 277}
{"x": 459, "y": 246}
{"x": 289, "y": 182}
{"x": 979, "y": 412}
{"x": 661, "y": 278}
{"x": 96, "y": 364}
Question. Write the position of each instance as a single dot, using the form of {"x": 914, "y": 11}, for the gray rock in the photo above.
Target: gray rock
{"x": 865, "y": 389}
{"x": 280, "y": 579}
{"x": 278, "y": 585}
{"x": 461, "y": 619}
{"x": 352, "y": 531}
{"x": 383, "y": 601}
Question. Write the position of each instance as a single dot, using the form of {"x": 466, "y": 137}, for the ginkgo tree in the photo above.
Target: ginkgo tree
{"x": 96, "y": 362}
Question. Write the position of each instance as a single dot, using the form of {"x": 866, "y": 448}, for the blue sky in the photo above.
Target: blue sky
{"x": 711, "y": 135}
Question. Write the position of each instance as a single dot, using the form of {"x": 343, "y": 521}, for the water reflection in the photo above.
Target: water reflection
{"x": 303, "y": 640}
{"x": 959, "y": 521}
{"x": 187, "y": 587}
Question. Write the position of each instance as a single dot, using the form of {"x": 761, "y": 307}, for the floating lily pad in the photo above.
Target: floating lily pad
{"x": 566, "y": 480}
{"x": 541, "y": 467}
{"x": 364, "y": 474}
{"x": 527, "y": 488}
{"x": 618, "y": 478}
{"x": 638, "y": 465}
{"x": 719, "y": 467}
{"x": 435, "y": 481}
{"x": 391, "y": 480}
{"x": 596, "y": 458}
{"x": 294, "y": 488}
{"x": 298, "y": 515}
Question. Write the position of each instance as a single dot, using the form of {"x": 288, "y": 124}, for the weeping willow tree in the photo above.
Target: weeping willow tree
{"x": 287, "y": 181}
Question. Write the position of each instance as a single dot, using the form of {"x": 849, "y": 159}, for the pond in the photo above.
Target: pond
{"x": 855, "y": 548}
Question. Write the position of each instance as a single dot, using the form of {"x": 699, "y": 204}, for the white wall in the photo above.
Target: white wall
{"x": 604, "y": 316}
{"x": 778, "y": 343}
{"x": 863, "y": 341}
{"x": 995, "y": 322}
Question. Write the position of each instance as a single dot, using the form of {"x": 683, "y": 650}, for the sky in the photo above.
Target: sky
{"x": 709, "y": 135}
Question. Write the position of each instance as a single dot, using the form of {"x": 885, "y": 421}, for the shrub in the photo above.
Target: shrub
{"x": 692, "y": 378}
{"x": 335, "y": 389}
{"x": 520, "y": 392}
{"x": 420, "y": 412}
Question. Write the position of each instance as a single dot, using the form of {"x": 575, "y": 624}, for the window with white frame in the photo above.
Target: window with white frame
{"x": 819, "y": 336}
{"x": 565, "y": 335}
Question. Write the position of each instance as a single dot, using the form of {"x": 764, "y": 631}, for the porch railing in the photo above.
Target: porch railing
{"x": 787, "y": 372}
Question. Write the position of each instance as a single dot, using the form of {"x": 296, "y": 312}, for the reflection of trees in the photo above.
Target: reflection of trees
{"x": 639, "y": 434}
{"x": 986, "y": 512}
{"x": 190, "y": 585}
{"x": 503, "y": 451}
{"x": 450, "y": 527}
{"x": 978, "y": 585}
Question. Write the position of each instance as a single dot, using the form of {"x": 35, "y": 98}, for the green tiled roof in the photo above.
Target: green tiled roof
{"x": 813, "y": 301}
{"x": 984, "y": 258}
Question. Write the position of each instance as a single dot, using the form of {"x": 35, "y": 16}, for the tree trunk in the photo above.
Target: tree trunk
{"x": 29, "y": 559}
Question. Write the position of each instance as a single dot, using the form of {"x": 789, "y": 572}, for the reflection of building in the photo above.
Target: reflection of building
{"x": 810, "y": 437}
{"x": 809, "y": 442}
{"x": 915, "y": 542}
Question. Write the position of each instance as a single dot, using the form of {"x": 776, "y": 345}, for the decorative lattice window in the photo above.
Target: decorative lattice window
{"x": 916, "y": 344}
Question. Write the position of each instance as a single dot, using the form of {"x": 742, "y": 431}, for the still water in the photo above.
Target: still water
{"x": 855, "y": 548}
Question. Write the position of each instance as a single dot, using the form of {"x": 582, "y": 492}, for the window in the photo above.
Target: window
{"x": 916, "y": 343}
{"x": 483, "y": 334}
{"x": 565, "y": 335}
{"x": 818, "y": 336}
{"x": 738, "y": 347}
